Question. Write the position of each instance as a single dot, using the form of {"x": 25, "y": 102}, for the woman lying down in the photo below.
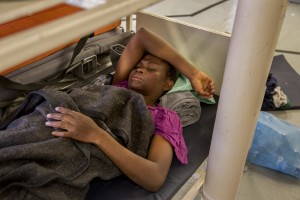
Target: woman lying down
{"x": 146, "y": 66}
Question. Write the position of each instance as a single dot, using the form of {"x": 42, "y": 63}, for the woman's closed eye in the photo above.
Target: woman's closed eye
{"x": 151, "y": 68}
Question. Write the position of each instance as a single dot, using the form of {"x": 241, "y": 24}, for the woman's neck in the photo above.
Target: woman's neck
{"x": 150, "y": 101}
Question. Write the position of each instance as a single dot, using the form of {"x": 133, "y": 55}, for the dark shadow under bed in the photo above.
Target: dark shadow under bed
{"x": 198, "y": 138}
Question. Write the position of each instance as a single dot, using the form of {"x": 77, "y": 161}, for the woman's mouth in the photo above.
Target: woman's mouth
{"x": 136, "y": 78}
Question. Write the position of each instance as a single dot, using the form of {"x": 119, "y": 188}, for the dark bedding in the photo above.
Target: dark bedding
{"x": 36, "y": 165}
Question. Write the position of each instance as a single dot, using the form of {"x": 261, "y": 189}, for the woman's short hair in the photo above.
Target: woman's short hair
{"x": 172, "y": 73}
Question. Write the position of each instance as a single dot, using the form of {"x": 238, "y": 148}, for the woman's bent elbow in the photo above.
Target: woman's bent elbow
{"x": 155, "y": 185}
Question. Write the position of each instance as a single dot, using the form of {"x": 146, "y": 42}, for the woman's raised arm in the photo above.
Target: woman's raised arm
{"x": 146, "y": 41}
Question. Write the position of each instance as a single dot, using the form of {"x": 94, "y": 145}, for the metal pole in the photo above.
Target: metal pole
{"x": 255, "y": 34}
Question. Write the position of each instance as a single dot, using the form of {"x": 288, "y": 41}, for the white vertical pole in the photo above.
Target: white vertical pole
{"x": 129, "y": 19}
{"x": 255, "y": 34}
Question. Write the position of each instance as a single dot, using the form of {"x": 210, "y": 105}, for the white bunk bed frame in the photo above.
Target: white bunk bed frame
{"x": 45, "y": 37}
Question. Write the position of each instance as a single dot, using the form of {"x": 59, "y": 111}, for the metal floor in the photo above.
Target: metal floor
{"x": 257, "y": 183}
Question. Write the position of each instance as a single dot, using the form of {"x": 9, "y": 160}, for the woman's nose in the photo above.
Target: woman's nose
{"x": 140, "y": 70}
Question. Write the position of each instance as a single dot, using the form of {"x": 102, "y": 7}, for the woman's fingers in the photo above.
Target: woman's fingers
{"x": 67, "y": 112}
{"x": 63, "y": 114}
{"x": 60, "y": 124}
{"x": 59, "y": 116}
{"x": 63, "y": 110}
{"x": 203, "y": 84}
{"x": 207, "y": 89}
{"x": 211, "y": 87}
{"x": 61, "y": 134}
{"x": 65, "y": 119}
{"x": 74, "y": 124}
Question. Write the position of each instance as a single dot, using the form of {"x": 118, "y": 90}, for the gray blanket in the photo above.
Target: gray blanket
{"x": 36, "y": 165}
{"x": 185, "y": 104}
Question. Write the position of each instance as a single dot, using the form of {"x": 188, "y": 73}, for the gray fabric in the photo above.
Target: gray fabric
{"x": 185, "y": 104}
{"x": 36, "y": 165}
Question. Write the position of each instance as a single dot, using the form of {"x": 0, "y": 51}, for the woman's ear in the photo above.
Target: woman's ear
{"x": 169, "y": 84}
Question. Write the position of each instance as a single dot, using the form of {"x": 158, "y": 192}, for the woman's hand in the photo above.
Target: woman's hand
{"x": 203, "y": 84}
{"x": 76, "y": 125}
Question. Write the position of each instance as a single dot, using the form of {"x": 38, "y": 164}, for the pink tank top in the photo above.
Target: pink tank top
{"x": 168, "y": 125}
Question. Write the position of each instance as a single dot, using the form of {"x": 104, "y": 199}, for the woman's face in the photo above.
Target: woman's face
{"x": 149, "y": 77}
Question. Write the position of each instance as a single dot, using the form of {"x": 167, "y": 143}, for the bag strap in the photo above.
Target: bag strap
{"x": 79, "y": 46}
{"x": 61, "y": 74}
{"x": 9, "y": 84}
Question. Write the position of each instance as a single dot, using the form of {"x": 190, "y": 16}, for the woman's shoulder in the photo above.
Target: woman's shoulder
{"x": 168, "y": 125}
{"x": 122, "y": 84}
{"x": 166, "y": 121}
{"x": 163, "y": 111}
